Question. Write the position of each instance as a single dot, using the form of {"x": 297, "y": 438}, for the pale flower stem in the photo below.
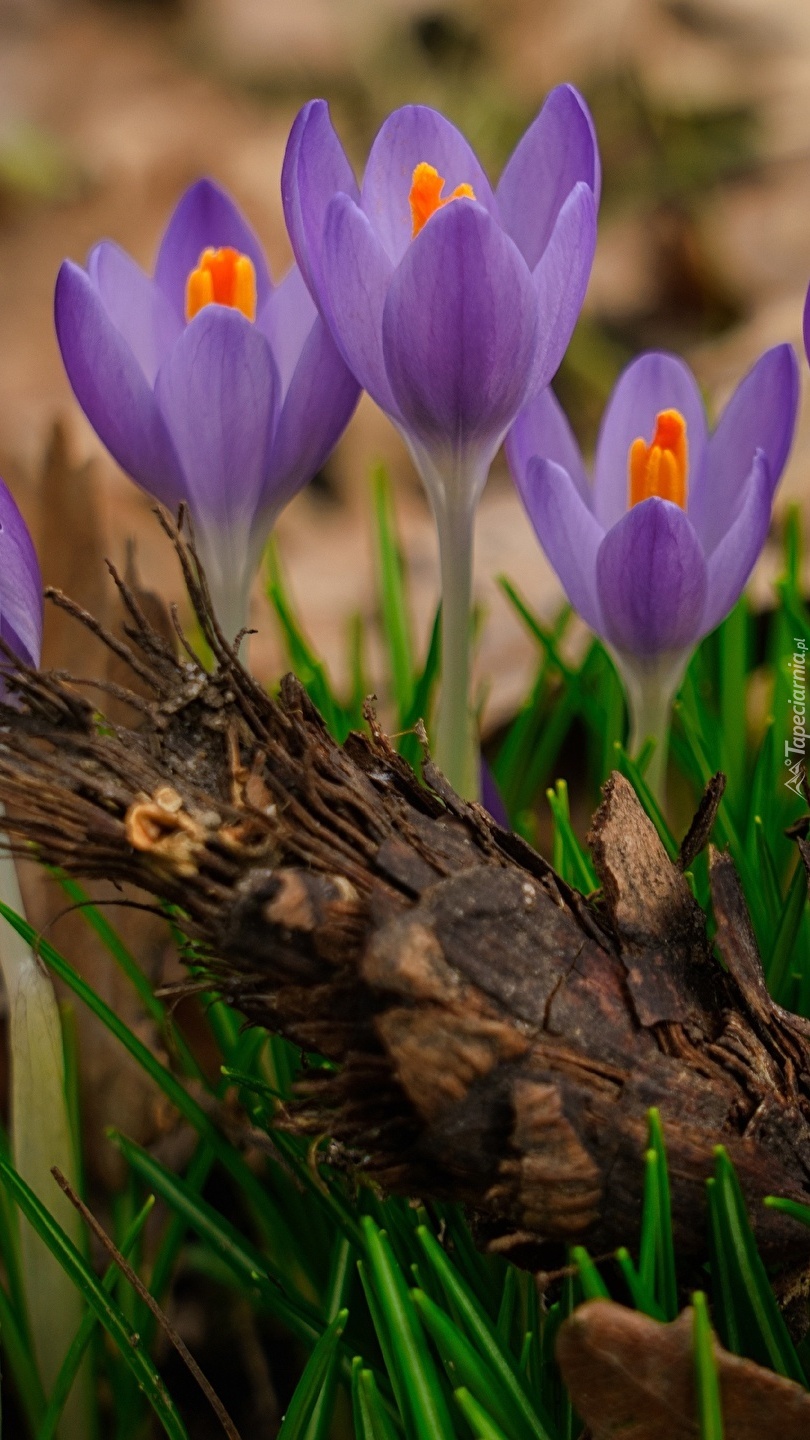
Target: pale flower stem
{"x": 41, "y": 1138}
{"x": 649, "y": 697}
{"x": 231, "y": 611}
{"x": 456, "y": 751}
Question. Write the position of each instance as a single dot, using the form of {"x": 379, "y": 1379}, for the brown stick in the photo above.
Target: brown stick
{"x": 500, "y": 1038}
{"x": 149, "y": 1300}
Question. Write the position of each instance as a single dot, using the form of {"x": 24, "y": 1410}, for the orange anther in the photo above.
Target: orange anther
{"x": 222, "y": 277}
{"x": 426, "y": 191}
{"x": 660, "y": 468}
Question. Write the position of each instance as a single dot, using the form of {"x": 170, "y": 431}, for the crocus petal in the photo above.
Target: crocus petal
{"x": 806, "y": 324}
{"x": 761, "y": 415}
{"x": 286, "y": 320}
{"x": 135, "y": 304}
{"x": 557, "y": 151}
{"x": 542, "y": 430}
{"x": 112, "y": 389}
{"x": 205, "y": 216}
{"x": 20, "y": 584}
{"x": 491, "y": 797}
{"x": 568, "y": 533}
{"x": 736, "y": 554}
{"x": 357, "y": 275}
{"x": 459, "y": 330}
{"x": 317, "y": 409}
{"x": 315, "y": 169}
{"x": 407, "y": 138}
{"x": 651, "y": 580}
{"x": 652, "y": 383}
{"x": 561, "y": 279}
{"x": 218, "y": 393}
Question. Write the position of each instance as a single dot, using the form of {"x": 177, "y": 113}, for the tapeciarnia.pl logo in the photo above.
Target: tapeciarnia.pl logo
{"x": 795, "y": 748}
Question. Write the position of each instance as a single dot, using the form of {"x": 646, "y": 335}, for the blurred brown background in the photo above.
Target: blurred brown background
{"x": 108, "y": 110}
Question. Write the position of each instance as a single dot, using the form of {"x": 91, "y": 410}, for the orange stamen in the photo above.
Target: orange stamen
{"x": 222, "y": 277}
{"x": 660, "y": 468}
{"x": 425, "y": 197}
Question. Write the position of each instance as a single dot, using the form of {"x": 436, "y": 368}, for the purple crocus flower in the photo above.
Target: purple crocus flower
{"x": 452, "y": 304}
{"x": 206, "y": 382}
{"x": 657, "y": 550}
{"x": 20, "y": 586}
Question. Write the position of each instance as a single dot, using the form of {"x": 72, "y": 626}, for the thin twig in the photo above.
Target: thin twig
{"x": 138, "y": 1286}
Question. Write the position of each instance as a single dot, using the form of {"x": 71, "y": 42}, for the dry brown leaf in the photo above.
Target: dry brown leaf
{"x": 631, "y": 1378}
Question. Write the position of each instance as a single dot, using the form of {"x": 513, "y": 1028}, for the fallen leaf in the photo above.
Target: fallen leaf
{"x": 634, "y": 1378}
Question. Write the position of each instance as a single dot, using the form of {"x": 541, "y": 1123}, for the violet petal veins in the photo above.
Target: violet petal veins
{"x": 658, "y": 550}
{"x": 20, "y": 584}
{"x": 452, "y": 304}
{"x": 227, "y": 398}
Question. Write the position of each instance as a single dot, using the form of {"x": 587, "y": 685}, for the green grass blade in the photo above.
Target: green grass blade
{"x": 341, "y": 1276}
{"x": 173, "y": 1088}
{"x": 640, "y": 1297}
{"x": 421, "y": 706}
{"x": 794, "y": 1208}
{"x": 666, "y": 1291}
{"x": 720, "y": 1264}
{"x": 392, "y": 593}
{"x": 467, "y": 1258}
{"x": 506, "y": 1310}
{"x": 384, "y": 1339}
{"x": 223, "y": 1238}
{"x": 361, "y": 1413}
{"x": 427, "y": 1413}
{"x": 569, "y": 857}
{"x": 173, "y": 1239}
{"x": 70, "y": 1366}
{"x": 104, "y": 1307}
{"x": 650, "y": 1218}
{"x": 113, "y": 943}
{"x": 593, "y": 1286}
{"x": 128, "y": 965}
{"x": 480, "y": 1422}
{"x": 20, "y": 1367}
{"x": 766, "y": 1332}
{"x": 375, "y": 1414}
{"x": 359, "y": 684}
{"x": 778, "y": 967}
{"x": 480, "y": 1330}
{"x": 300, "y": 655}
{"x": 315, "y": 1376}
{"x": 733, "y": 646}
{"x": 465, "y": 1364}
{"x": 771, "y": 897}
{"x": 761, "y": 785}
{"x": 10, "y": 1248}
{"x": 547, "y": 638}
{"x": 710, "y": 1413}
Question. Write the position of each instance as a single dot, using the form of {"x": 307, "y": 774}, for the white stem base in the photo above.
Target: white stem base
{"x": 454, "y": 483}
{"x": 41, "y": 1138}
{"x": 456, "y": 741}
{"x": 651, "y": 688}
